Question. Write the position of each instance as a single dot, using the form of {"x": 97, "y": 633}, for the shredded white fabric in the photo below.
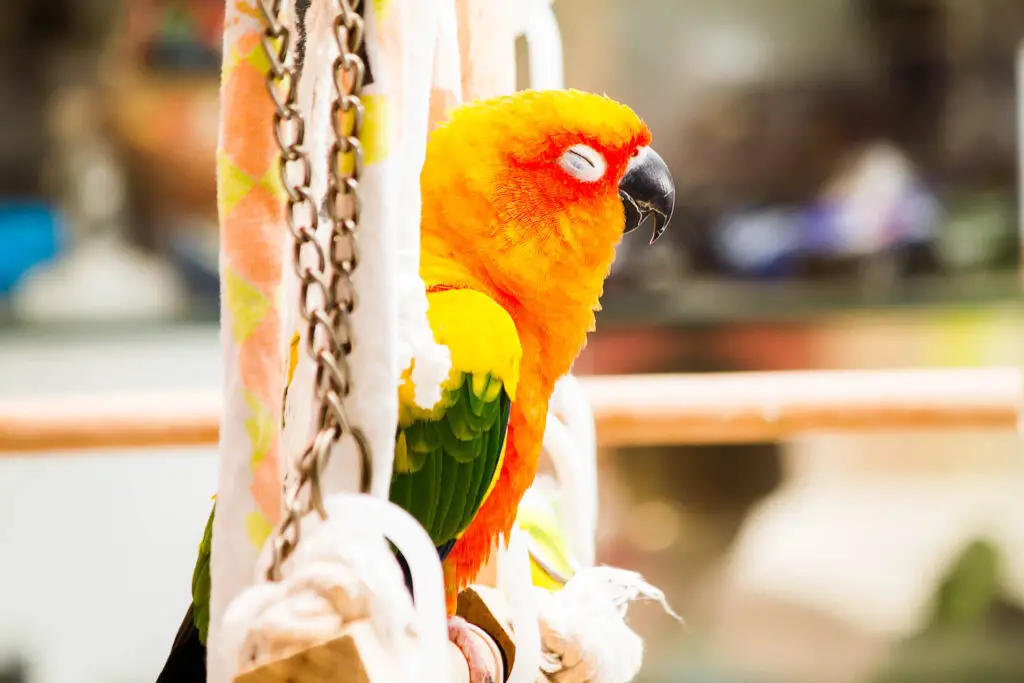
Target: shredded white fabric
{"x": 431, "y": 361}
{"x": 584, "y": 636}
{"x": 340, "y": 573}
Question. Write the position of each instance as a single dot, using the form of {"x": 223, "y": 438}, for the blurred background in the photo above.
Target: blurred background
{"x": 847, "y": 198}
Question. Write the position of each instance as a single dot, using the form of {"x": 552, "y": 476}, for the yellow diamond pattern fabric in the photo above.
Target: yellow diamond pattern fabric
{"x": 252, "y": 236}
{"x": 248, "y": 306}
{"x": 261, "y": 429}
{"x": 234, "y": 184}
{"x": 378, "y": 119}
{"x": 257, "y": 528}
{"x": 259, "y": 288}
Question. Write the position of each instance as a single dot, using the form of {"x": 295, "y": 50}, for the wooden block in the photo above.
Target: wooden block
{"x": 353, "y": 657}
{"x": 356, "y": 656}
{"x": 483, "y": 607}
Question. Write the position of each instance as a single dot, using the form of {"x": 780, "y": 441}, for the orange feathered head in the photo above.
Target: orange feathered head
{"x": 532, "y": 192}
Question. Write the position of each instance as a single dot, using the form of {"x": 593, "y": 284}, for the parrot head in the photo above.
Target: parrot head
{"x": 535, "y": 190}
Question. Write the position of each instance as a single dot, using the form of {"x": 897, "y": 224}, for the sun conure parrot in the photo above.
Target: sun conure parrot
{"x": 525, "y": 198}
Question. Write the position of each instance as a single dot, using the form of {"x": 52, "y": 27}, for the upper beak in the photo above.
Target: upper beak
{"x": 648, "y": 189}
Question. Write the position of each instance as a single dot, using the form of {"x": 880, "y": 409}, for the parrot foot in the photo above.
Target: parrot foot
{"x": 477, "y": 656}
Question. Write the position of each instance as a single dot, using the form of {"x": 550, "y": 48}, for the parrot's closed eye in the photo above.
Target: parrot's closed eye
{"x": 583, "y": 163}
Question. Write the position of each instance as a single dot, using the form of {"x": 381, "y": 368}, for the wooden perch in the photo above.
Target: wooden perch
{"x": 747, "y": 407}
{"x": 630, "y": 410}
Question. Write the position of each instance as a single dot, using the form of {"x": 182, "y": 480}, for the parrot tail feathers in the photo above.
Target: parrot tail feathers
{"x": 187, "y": 661}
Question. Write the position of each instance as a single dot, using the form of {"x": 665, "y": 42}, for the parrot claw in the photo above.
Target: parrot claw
{"x": 460, "y": 633}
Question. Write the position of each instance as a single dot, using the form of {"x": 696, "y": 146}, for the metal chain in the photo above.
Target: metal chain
{"x": 327, "y": 314}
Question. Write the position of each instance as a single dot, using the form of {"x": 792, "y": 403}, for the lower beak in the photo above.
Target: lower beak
{"x": 647, "y": 189}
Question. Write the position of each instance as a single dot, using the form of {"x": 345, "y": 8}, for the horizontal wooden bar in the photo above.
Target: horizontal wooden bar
{"x": 63, "y": 423}
{"x": 768, "y": 406}
{"x": 630, "y": 410}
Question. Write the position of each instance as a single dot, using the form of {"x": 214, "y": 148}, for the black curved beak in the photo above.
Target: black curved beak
{"x": 647, "y": 189}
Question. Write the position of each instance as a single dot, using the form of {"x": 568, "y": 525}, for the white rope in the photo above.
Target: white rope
{"x": 342, "y": 573}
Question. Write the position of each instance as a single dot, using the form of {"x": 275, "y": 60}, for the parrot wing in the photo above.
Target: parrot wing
{"x": 445, "y": 467}
{"x": 448, "y": 457}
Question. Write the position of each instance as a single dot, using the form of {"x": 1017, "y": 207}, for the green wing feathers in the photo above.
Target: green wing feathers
{"x": 201, "y": 582}
{"x": 448, "y": 457}
{"x": 444, "y": 468}
{"x": 446, "y": 465}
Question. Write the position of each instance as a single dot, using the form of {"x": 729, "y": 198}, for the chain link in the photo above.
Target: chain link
{"x": 326, "y": 294}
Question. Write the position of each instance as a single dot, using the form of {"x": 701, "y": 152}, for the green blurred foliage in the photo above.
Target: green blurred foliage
{"x": 973, "y": 636}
